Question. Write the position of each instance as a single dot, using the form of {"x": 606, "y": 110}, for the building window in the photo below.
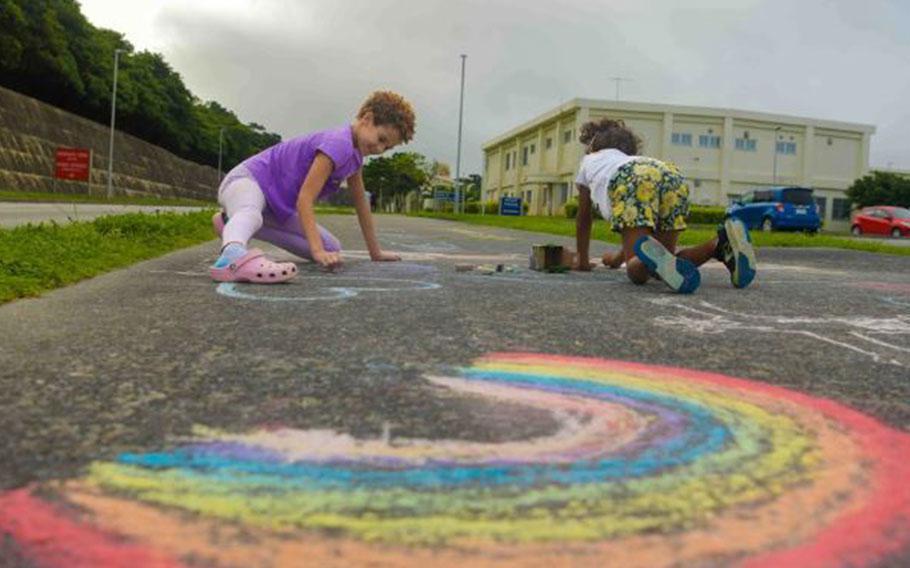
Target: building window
{"x": 567, "y": 136}
{"x": 708, "y": 141}
{"x": 786, "y": 148}
{"x": 840, "y": 209}
{"x": 549, "y": 143}
{"x": 681, "y": 139}
{"x": 508, "y": 160}
{"x": 533, "y": 148}
{"x": 524, "y": 156}
{"x": 745, "y": 144}
{"x": 822, "y": 203}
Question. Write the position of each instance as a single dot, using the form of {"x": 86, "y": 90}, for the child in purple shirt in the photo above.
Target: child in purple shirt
{"x": 271, "y": 195}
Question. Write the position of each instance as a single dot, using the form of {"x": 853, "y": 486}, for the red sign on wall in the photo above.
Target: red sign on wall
{"x": 73, "y": 164}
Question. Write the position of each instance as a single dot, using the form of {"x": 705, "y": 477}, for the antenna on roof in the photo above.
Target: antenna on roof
{"x": 618, "y": 80}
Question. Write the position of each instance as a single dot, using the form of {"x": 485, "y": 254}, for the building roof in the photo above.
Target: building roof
{"x": 603, "y": 104}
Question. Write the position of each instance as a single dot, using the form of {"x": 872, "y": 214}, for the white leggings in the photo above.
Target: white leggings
{"x": 249, "y": 217}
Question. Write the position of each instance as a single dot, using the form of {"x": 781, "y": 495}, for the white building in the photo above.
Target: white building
{"x": 724, "y": 153}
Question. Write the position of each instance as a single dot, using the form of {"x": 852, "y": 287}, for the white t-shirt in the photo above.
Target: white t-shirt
{"x": 597, "y": 170}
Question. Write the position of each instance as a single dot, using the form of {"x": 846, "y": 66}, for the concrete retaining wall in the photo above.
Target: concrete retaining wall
{"x": 31, "y": 131}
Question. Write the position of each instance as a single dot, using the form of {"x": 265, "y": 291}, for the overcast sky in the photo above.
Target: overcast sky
{"x": 300, "y": 65}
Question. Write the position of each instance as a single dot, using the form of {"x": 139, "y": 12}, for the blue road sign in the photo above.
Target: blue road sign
{"x": 510, "y": 206}
{"x": 441, "y": 195}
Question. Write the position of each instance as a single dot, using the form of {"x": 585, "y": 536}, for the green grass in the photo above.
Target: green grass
{"x": 334, "y": 210}
{"x": 33, "y": 196}
{"x": 36, "y": 197}
{"x": 693, "y": 235}
{"x": 38, "y": 258}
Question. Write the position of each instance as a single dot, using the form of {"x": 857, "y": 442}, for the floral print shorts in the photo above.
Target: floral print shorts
{"x": 649, "y": 193}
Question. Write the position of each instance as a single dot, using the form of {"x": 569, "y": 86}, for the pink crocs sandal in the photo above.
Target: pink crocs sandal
{"x": 218, "y": 222}
{"x": 255, "y": 267}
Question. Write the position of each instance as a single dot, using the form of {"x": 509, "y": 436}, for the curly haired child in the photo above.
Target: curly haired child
{"x": 271, "y": 196}
{"x": 648, "y": 201}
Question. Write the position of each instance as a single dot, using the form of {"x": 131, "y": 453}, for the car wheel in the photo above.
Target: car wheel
{"x": 767, "y": 225}
{"x": 856, "y": 230}
{"x": 896, "y": 233}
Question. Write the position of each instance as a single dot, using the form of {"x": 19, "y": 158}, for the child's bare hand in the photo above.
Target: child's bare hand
{"x": 330, "y": 260}
{"x": 385, "y": 257}
{"x": 612, "y": 260}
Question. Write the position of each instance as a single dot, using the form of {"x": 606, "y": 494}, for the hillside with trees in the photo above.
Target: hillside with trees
{"x": 49, "y": 51}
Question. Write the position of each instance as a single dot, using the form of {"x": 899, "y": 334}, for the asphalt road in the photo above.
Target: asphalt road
{"x": 398, "y": 414}
{"x": 16, "y": 213}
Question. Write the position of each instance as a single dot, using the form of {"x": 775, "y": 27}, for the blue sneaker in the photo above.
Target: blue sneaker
{"x": 734, "y": 249}
{"x": 678, "y": 273}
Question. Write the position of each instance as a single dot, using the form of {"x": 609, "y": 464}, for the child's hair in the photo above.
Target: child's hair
{"x": 608, "y": 133}
{"x": 391, "y": 109}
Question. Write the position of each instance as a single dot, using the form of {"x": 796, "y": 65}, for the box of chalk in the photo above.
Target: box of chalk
{"x": 547, "y": 258}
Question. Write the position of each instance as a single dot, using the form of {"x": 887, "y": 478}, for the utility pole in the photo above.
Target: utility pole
{"x": 458, "y": 155}
{"x": 110, "y": 151}
{"x": 220, "y": 151}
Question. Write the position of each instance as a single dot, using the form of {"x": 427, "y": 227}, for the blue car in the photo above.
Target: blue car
{"x": 778, "y": 208}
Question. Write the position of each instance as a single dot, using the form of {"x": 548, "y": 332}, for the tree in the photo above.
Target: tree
{"x": 394, "y": 177}
{"x": 471, "y": 186}
{"x": 880, "y": 188}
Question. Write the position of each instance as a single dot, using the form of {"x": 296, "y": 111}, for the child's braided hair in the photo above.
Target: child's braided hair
{"x": 608, "y": 133}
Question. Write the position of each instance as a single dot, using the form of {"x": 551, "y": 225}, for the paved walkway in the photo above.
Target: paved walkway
{"x": 407, "y": 414}
{"x": 16, "y": 213}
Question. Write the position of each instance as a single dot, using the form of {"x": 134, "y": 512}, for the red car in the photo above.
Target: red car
{"x": 882, "y": 220}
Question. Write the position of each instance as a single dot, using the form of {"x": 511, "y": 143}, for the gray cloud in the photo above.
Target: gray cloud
{"x": 295, "y": 66}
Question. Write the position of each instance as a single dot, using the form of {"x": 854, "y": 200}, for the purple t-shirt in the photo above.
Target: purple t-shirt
{"x": 281, "y": 169}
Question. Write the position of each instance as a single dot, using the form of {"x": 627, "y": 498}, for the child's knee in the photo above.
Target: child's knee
{"x": 250, "y": 213}
{"x": 330, "y": 243}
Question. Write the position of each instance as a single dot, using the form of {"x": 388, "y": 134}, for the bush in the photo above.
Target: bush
{"x": 706, "y": 215}
{"x": 880, "y": 188}
{"x": 490, "y": 207}
{"x": 571, "y": 209}
{"x": 698, "y": 214}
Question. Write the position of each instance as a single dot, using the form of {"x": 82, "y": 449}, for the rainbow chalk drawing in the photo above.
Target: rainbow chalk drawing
{"x": 649, "y": 466}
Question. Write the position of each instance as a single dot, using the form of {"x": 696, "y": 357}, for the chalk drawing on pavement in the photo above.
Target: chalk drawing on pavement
{"x": 882, "y": 339}
{"x": 446, "y": 257}
{"x": 323, "y": 288}
{"x": 648, "y": 466}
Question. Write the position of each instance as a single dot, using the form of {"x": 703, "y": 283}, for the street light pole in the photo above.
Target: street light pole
{"x": 458, "y": 155}
{"x": 220, "y": 149}
{"x": 110, "y": 150}
{"x": 776, "y": 130}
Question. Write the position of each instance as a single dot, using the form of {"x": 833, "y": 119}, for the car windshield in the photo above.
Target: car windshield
{"x": 798, "y": 196}
{"x": 900, "y": 213}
